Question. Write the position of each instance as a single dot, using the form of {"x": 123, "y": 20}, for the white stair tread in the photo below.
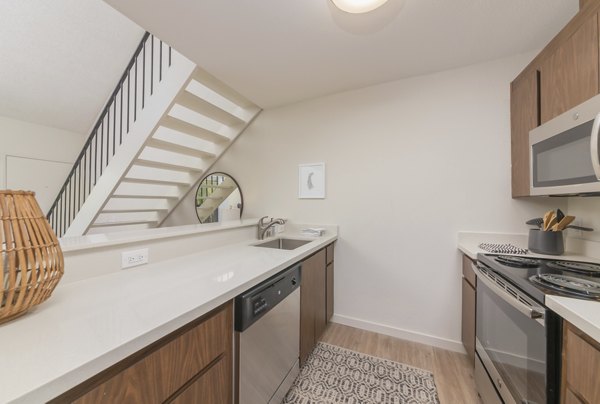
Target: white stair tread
{"x": 125, "y": 204}
{"x": 178, "y": 125}
{"x": 204, "y": 107}
{"x": 187, "y": 141}
{"x": 218, "y": 87}
{"x": 110, "y": 219}
{"x": 172, "y": 159}
{"x": 190, "y": 116}
{"x": 200, "y": 90}
{"x": 140, "y": 172}
{"x": 177, "y": 148}
{"x": 150, "y": 190}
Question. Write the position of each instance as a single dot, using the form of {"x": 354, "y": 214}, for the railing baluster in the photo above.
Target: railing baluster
{"x": 128, "y": 101}
{"x": 114, "y": 124}
{"x": 135, "y": 91}
{"x": 151, "y": 64}
{"x": 83, "y": 177}
{"x": 121, "y": 117}
{"x": 144, "y": 76}
{"x": 101, "y": 146}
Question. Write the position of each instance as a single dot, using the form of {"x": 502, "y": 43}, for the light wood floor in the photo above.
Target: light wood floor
{"x": 452, "y": 371}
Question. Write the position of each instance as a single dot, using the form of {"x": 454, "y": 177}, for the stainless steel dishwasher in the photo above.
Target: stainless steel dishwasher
{"x": 267, "y": 325}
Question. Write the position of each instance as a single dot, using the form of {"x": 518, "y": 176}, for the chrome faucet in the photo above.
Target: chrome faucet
{"x": 266, "y": 228}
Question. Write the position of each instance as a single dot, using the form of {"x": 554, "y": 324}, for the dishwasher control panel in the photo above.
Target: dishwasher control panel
{"x": 256, "y": 302}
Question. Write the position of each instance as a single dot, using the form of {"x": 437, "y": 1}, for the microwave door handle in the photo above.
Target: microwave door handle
{"x": 530, "y": 312}
{"x": 594, "y": 146}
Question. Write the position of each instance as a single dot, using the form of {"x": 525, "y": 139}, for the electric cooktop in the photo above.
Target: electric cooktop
{"x": 540, "y": 277}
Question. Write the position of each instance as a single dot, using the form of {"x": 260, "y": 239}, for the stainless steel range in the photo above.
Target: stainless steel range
{"x": 518, "y": 339}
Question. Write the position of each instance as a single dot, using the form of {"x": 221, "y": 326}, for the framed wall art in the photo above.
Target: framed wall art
{"x": 311, "y": 181}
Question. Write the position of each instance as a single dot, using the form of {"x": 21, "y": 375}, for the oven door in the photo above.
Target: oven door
{"x": 511, "y": 339}
{"x": 564, "y": 152}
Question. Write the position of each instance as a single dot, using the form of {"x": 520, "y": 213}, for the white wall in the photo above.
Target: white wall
{"x": 409, "y": 164}
{"x": 587, "y": 213}
{"x": 36, "y": 157}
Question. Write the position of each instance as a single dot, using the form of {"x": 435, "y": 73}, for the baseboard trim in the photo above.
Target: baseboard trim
{"x": 455, "y": 346}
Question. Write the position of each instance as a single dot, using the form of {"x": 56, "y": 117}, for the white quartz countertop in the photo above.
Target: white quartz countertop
{"x": 90, "y": 325}
{"x": 468, "y": 244}
{"x": 584, "y": 314}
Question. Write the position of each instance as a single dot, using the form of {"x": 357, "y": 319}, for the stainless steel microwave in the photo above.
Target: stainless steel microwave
{"x": 564, "y": 152}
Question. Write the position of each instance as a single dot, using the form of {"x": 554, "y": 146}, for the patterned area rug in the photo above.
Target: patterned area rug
{"x": 337, "y": 375}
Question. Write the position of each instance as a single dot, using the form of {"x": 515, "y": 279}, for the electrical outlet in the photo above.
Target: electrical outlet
{"x": 134, "y": 258}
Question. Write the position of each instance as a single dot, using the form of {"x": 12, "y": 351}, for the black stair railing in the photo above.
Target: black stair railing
{"x": 114, "y": 123}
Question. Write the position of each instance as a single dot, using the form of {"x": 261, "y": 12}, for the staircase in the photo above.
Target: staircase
{"x": 163, "y": 128}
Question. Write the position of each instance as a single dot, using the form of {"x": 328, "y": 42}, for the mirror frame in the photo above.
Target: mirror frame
{"x": 200, "y": 184}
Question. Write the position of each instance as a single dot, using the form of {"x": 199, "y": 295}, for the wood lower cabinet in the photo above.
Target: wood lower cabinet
{"x": 469, "y": 303}
{"x": 316, "y": 299}
{"x": 580, "y": 367}
{"x": 193, "y": 362}
{"x": 569, "y": 75}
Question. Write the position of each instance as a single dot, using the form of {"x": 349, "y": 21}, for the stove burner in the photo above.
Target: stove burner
{"x": 518, "y": 262}
{"x": 579, "y": 267}
{"x": 569, "y": 285}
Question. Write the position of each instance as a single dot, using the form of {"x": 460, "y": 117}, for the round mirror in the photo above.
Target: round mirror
{"x": 218, "y": 199}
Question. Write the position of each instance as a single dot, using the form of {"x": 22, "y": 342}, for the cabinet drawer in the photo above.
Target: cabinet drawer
{"x": 160, "y": 373}
{"x": 468, "y": 272}
{"x": 209, "y": 388}
{"x": 582, "y": 366}
{"x": 329, "y": 253}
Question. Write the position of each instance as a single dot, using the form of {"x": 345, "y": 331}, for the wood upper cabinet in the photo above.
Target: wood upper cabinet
{"x": 524, "y": 116}
{"x": 569, "y": 75}
{"x": 193, "y": 364}
{"x": 316, "y": 299}
{"x": 580, "y": 367}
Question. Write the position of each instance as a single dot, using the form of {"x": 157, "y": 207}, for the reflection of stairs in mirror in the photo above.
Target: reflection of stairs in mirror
{"x": 212, "y": 192}
{"x": 178, "y": 140}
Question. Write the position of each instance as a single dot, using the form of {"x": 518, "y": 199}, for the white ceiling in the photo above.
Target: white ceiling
{"x": 280, "y": 51}
{"x": 61, "y": 59}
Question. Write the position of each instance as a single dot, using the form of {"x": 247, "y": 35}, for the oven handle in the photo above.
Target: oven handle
{"x": 530, "y": 312}
{"x": 594, "y": 146}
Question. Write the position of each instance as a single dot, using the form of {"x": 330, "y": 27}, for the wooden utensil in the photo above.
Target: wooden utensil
{"x": 567, "y": 220}
{"x": 547, "y": 216}
{"x": 549, "y": 221}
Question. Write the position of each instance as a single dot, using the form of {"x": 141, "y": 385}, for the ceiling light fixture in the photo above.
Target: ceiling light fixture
{"x": 358, "y": 6}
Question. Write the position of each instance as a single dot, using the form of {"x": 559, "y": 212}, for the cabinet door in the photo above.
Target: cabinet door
{"x": 329, "y": 280}
{"x": 212, "y": 387}
{"x": 569, "y": 75}
{"x": 312, "y": 303}
{"x": 468, "y": 319}
{"x": 523, "y": 118}
{"x": 581, "y": 365}
{"x": 157, "y": 372}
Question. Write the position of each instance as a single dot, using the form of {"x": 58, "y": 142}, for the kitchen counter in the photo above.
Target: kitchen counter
{"x": 576, "y": 250}
{"x": 89, "y": 325}
{"x": 584, "y": 314}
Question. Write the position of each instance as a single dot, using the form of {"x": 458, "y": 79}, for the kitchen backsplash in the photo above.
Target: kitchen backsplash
{"x": 587, "y": 211}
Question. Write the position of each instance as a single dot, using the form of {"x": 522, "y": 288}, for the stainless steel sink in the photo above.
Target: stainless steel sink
{"x": 283, "y": 243}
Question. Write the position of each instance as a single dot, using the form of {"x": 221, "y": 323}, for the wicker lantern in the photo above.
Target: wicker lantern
{"x": 32, "y": 261}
